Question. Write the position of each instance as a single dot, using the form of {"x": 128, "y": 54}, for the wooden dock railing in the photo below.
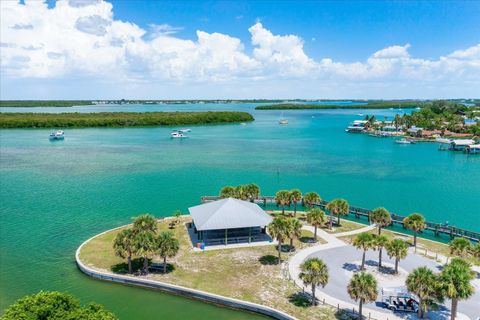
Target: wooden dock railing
{"x": 436, "y": 228}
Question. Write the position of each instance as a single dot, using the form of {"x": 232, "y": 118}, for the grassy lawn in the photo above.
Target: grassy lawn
{"x": 250, "y": 274}
{"x": 345, "y": 226}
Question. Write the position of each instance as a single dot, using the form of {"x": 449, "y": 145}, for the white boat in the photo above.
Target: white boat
{"x": 57, "y": 135}
{"x": 283, "y": 120}
{"x": 360, "y": 114}
{"x": 443, "y": 140}
{"x": 184, "y": 130}
{"x": 404, "y": 141}
{"x": 177, "y": 134}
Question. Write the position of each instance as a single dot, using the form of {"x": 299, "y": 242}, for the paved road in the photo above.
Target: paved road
{"x": 340, "y": 267}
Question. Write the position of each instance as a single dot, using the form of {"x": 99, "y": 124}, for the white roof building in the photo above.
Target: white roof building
{"x": 228, "y": 213}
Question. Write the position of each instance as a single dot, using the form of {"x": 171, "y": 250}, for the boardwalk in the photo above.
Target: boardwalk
{"x": 436, "y": 229}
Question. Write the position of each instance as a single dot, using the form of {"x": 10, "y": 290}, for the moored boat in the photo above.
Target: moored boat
{"x": 404, "y": 141}
{"x": 177, "y": 134}
{"x": 57, "y": 135}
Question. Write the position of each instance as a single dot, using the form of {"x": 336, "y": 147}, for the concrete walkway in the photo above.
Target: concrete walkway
{"x": 337, "y": 286}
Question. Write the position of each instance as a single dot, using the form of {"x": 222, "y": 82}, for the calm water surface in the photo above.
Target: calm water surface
{"x": 54, "y": 195}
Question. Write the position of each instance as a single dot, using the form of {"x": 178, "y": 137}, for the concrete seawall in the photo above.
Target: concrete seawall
{"x": 178, "y": 290}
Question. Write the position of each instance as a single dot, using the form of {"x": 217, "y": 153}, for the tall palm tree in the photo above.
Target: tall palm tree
{"x": 337, "y": 207}
{"x": 422, "y": 282}
{"x": 311, "y": 198}
{"x": 316, "y": 217}
{"x": 124, "y": 246}
{"x": 415, "y": 222}
{"x": 397, "y": 121}
{"x": 455, "y": 281}
{"x": 278, "y": 229}
{"x": 294, "y": 230}
{"x": 145, "y": 222}
{"x": 282, "y": 198}
{"x": 362, "y": 288}
{"x": 144, "y": 245}
{"x": 381, "y": 217}
{"x": 227, "y": 192}
{"x": 167, "y": 247}
{"x": 380, "y": 242}
{"x": 252, "y": 191}
{"x": 460, "y": 247}
{"x": 397, "y": 249}
{"x": 295, "y": 195}
{"x": 314, "y": 272}
{"x": 363, "y": 241}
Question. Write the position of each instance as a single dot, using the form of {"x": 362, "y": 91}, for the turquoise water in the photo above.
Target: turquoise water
{"x": 54, "y": 195}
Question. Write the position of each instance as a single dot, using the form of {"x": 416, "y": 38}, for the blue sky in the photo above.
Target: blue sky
{"x": 240, "y": 49}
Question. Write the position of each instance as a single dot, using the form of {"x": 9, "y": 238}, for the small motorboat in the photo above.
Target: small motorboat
{"x": 57, "y": 135}
{"x": 177, "y": 134}
{"x": 283, "y": 121}
{"x": 404, "y": 141}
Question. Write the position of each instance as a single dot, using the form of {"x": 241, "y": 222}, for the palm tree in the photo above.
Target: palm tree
{"x": 239, "y": 193}
{"x": 278, "y": 229}
{"x": 282, "y": 198}
{"x": 167, "y": 246}
{"x": 337, "y": 207}
{"x": 144, "y": 245}
{"x": 124, "y": 246}
{"x": 311, "y": 198}
{"x": 397, "y": 249}
{"x": 294, "y": 230}
{"x": 415, "y": 222}
{"x": 177, "y": 214}
{"x": 314, "y": 272}
{"x": 422, "y": 282}
{"x": 381, "y": 217}
{"x": 380, "y": 242}
{"x": 316, "y": 217}
{"x": 144, "y": 222}
{"x": 252, "y": 191}
{"x": 397, "y": 121}
{"x": 363, "y": 241}
{"x": 295, "y": 195}
{"x": 455, "y": 283}
{"x": 227, "y": 192}
{"x": 363, "y": 288}
{"x": 460, "y": 247}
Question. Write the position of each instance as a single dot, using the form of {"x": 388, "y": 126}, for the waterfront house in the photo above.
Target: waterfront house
{"x": 228, "y": 221}
{"x": 461, "y": 144}
{"x": 415, "y": 131}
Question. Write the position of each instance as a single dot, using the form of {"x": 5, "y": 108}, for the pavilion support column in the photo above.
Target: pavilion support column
{"x": 226, "y": 236}
{"x": 249, "y": 234}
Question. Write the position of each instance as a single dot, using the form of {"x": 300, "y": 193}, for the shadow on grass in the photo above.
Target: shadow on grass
{"x": 307, "y": 240}
{"x": 157, "y": 268}
{"x": 268, "y": 260}
{"x": 122, "y": 268}
{"x": 300, "y": 299}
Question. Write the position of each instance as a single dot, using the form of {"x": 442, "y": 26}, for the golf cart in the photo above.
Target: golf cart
{"x": 399, "y": 299}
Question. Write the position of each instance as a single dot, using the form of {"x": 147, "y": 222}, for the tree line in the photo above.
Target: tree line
{"x": 118, "y": 119}
{"x": 143, "y": 240}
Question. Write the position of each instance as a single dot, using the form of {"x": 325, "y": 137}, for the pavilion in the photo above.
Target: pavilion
{"x": 229, "y": 221}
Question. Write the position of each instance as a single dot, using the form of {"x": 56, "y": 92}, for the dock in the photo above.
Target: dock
{"x": 437, "y": 229}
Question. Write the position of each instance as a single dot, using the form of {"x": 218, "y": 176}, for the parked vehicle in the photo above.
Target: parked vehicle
{"x": 399, "y": 300}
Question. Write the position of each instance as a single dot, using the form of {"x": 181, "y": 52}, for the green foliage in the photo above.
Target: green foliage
{"x": 227, "y": 192}
{"x": 416, "y": 223}
{"x": 455, "y": 280}
{"x": 381, "y": 217}
{"x": 425, "y": 285}
{"x": 54, "y": 306}
{"x": 118, "y": 119}
{"x": 279, "y": 230}
{"x": 314, "y": 272}
{"x": 398, "y": 249}
{"x": 362, "y": 288}
{"x": 311, "y": 198}
{"x": 460, "y": 247}
{"x": 167, "y": 246}
{"x": 294, "y": 229}
{"x": 249, "y": 191}
{"x": 370, "y": 105}
{"x": 283, "y": 198}
{"x": 338, "y": 207}
{"x": 364, "y": 241}
{"x": 316, "y": 217}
